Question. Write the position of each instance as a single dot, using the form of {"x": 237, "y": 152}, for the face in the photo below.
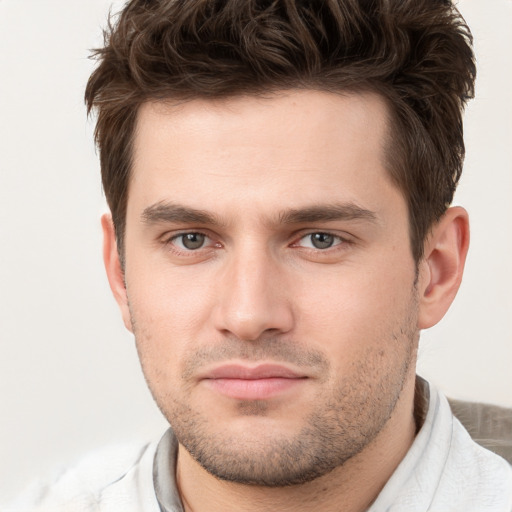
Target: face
{"x": 269, "y": 278}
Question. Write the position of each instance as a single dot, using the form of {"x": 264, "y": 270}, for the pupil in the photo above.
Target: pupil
{"x": 322, "y": 240}
{"x": 193, "y": 240}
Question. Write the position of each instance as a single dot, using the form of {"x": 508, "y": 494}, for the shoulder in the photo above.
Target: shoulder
{"x": 118, "y": 475}
{"x": 473, "y": 475}
{"x": 446, "y": 470}
{"x": 489, "y": 425}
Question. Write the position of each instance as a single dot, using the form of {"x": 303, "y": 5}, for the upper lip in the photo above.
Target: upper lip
{"x": 261, "y": 371}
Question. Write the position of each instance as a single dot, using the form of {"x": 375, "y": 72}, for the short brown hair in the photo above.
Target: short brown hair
{"x": 415, "y": 53}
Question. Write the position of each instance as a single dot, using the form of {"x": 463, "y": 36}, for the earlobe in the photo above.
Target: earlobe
{"x": 441, "y": 269}
{"x": 114, "y": 269}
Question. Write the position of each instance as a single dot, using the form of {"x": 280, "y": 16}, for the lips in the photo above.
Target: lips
{"x": 261, "y": 382}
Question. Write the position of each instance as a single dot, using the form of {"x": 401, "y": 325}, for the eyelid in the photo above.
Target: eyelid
{"x": 343, "y": 238}
{"x": 168, "y": 240}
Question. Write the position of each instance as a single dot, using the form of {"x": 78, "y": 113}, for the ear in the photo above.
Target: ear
{"x": 114, "y": 270}
{"x": 442, "y": 266}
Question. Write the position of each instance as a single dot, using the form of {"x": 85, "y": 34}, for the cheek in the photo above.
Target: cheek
{"x": 169, "y": 316}
{"x": 352, "y": 309}
{"x": 174, "y": 301}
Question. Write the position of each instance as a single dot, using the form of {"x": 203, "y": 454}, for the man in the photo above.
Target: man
{"x": 279, "y": 176}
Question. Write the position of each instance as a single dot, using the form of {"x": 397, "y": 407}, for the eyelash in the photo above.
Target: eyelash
{"x": 169, "y": 242}
{"x": 341, "y": 244}
{"x": 338, "y": 240}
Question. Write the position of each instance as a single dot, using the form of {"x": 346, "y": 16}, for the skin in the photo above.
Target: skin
{"x": 251, "y": 181}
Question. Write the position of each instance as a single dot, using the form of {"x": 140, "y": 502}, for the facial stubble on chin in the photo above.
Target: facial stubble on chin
{"x": 346, "y": 417}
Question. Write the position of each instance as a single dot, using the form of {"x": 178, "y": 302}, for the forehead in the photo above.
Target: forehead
{"x": 284, "y": 149}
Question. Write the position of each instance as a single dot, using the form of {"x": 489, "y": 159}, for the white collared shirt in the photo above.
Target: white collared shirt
{"x": 443, "y": 471}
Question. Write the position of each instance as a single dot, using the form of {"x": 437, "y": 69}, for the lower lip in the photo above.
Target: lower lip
{"x": 253, "y": 389}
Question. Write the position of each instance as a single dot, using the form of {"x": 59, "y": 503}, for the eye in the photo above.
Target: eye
{"x": 190, "y": 241}
{"x": 320, "y": 240}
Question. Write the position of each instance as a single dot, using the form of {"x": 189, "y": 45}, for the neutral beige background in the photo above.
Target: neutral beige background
{"x": 69, "y": 376}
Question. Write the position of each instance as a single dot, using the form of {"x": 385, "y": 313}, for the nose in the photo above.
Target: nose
{"x": 253, "y": 297}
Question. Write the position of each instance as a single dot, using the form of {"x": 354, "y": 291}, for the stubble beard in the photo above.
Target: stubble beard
{"x": 347, "y": 417}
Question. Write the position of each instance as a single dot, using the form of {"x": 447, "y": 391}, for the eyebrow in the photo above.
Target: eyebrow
{"x": 165, "y": 212}
{"x": 168, "y": 212}
{"x": 327, "y": 213}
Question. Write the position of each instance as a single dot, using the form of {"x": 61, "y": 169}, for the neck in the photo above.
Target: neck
{"x": 355, "y": 484}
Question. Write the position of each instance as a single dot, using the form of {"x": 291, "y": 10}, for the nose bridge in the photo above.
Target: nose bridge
{"x": 252, "y": 300}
